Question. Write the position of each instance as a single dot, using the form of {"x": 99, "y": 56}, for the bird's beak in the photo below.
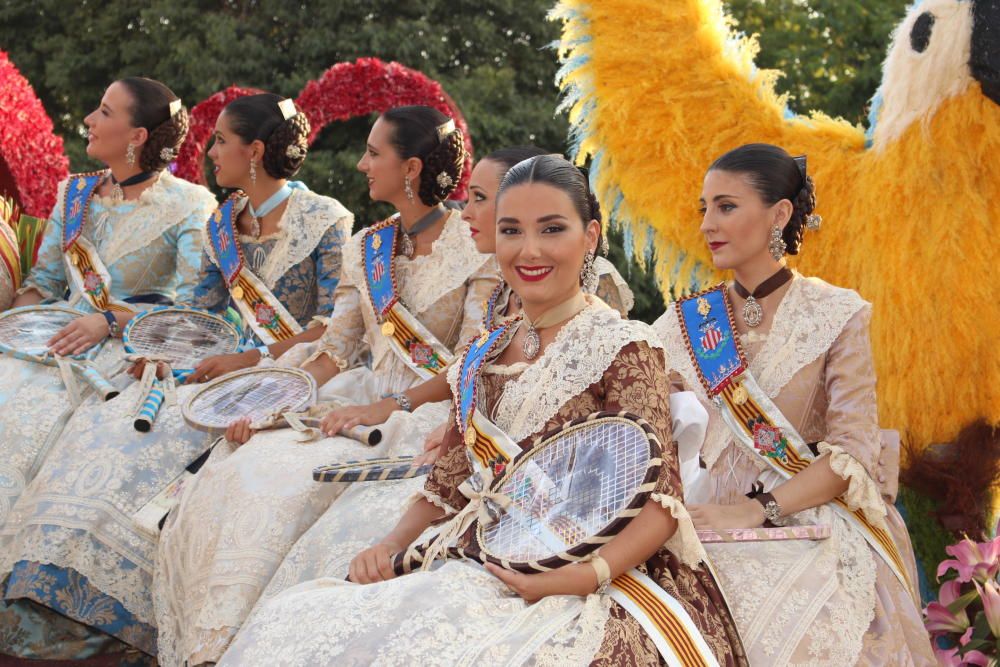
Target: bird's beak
{"x": 985, "y": 59}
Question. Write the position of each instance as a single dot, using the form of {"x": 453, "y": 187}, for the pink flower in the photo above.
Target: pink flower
{"x": 947, "y": 657}
{"x": 972, "y": 560}
{"x": 990, "y": 594}
{"x": 938, "y": 618}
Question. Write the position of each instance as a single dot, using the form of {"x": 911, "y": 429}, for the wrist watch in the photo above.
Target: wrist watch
{"x": 402, "y": 401}
{"x": 772, "y": 510}
{"x": 263, "y": 352}
{"x": 113, "y": 329}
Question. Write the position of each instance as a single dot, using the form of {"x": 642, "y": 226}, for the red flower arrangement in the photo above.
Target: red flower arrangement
{"x": 344, "y": 91}
{"x": 28, "y": 147}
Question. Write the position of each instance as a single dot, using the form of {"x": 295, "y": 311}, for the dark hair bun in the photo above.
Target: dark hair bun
{"x": 164, "y": 142}
{"x": 285, "y": 149}
{"x": 442, "y": 168}
{"x": 803, "y": 204}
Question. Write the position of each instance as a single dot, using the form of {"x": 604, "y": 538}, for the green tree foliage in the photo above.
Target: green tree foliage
{"x": 490, "y": 55}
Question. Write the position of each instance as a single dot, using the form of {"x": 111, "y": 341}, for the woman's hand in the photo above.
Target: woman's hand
{"x": 576, "y": 579}
{"x": 746, "y": 514}
{"x": 239, "y": 431}
{"x": 350, "y": 416}
{"x": 374, "y": 563}
{"x": 79, "y": 335}
{"x": 432, "y": 446}
{"x": 220, "y": 364}
{"x": 136, "y": 369}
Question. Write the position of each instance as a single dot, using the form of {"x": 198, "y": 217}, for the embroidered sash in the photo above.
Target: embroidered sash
{"x": 407, "y": 337}
{"x": 84, "y": 267}
{"x": 664, "y": 619}
{"x": 268, "y": 318}
{"x": 706, "y": 323}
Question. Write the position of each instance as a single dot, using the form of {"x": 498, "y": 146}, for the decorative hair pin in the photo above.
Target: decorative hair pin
{"x": 444, "y": 181}
{"x": 800, "y": 162}
{"x": 287, "y": 109}
{"x": 167, "y": 154}
{"x": 295, "y": 152}
{"x": 174, "y": 108}
{"x": 813, "y": 222}
{"x": 445, "y": 129}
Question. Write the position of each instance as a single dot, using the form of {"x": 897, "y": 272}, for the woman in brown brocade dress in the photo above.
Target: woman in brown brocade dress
{"x": 461, "y": 612}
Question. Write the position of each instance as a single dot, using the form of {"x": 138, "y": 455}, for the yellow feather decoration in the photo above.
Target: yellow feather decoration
{"x": 657, "y": 89}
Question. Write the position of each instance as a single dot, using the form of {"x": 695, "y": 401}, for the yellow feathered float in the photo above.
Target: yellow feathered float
{"x": 659, "y": 88}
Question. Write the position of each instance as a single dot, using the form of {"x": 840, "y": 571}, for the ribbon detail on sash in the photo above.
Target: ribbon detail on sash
{"x": 265, "y": 314}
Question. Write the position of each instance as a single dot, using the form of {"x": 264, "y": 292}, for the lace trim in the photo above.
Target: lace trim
{"x": 684, "y": 543}
{"x": 306, "y": 219}
{"x": 164, "y": 204}
{"x": 807, "y": 322}
{"x": 862, "y": 493}
{"x": 606, "y": 268}
{"x": 577, "y": 358}
{"x": 325, "y": 352}
{"x": 424, "y": 280}
{"x": 433, "y": 499}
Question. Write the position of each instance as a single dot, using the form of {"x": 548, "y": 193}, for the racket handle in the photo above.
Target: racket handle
{"x": 147, "y": 414}
{"x": 368, "y": 435}
{"x": 409, "y": 560}
{"x": 105, "y": 389}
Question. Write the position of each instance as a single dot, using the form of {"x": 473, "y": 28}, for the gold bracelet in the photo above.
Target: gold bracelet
{"x": 603, "y": 571}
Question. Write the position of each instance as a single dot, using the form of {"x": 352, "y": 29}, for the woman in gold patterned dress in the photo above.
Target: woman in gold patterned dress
{"x": 834, "y": 601}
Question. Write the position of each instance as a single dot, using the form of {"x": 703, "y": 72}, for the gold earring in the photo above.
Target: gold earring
{"x": 253, "y": 171}
{"x": 408, "y": 189}
{"x": 130, "y": 155}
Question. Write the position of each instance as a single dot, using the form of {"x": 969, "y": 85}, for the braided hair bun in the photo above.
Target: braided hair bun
{"x": 803, "y": 205}
{"x": 424, "y": 133}
{"x": 151, "y": 105}
{"x": 285, "y": 150}
{"x": 260, "y": 118}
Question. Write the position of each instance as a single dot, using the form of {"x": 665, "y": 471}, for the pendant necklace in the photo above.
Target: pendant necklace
{"x": 752, "y": 311}
{"x": 406, "y": 241}
{"x": 564, "y": 311}
{"x": 271, "y": 203}
{"x": 117, "y": 187}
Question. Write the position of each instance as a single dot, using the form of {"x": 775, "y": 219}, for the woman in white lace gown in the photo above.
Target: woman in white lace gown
{"x": 366, "y": 512}
{"x": 74, "y": 523}
{"x": 247, "y": 506}
{"x": 461, "y": 613}
{"x": 833, "y": 601}
{"x": 139, "y": 244}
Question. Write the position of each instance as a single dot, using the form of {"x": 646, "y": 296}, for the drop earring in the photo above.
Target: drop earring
{"x": 588, "y": 275}
{"x": 130, "y": 155}
{"x": 408, "y": 189}
{"x": 253, "y": 172}
{"x": 777, "y": 245}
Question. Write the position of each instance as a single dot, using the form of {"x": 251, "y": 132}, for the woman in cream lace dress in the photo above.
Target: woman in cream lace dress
{"x": 73, "y": 528}
{"x": 833, "y": 601}
{"x": 462, "y": 613}
{"x": 248, "y": 505}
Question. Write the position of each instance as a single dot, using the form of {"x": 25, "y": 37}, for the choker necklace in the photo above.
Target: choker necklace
{"x": 564, "y": 311}
{"x": 752, "y": 312}
{"x": 117, "y": 191}
{"x": 271, "y": 203}
{"x": 406, "y": 242}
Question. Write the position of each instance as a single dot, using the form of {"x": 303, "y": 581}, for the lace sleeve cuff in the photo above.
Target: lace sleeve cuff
{"x": 684, "y": 542}
{"x": 433, "y": 499}
{"x": 327, "y": 352}
{"x": 28, "y": 286}
{"x": 863, "y": 492}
